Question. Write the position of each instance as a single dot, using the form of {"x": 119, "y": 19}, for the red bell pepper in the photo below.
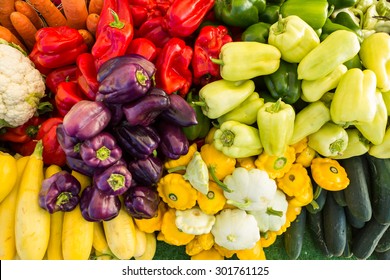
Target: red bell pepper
{"x": 172, "y": 64}
{"x": 22, "y": 133}
{"x": 185, "y": 16}
{"x": 87, "y": 75}
{"x": 56, "y": 47}
{"x": 114, "y": 31}
{"x": 68, "y": 94}
{"x": 144, "y": 47}
{"x": 155, "y": 30}
{"x": 208, "y": 45}
{"x": 143, "y": 10}
{"x": 62, "y": 74}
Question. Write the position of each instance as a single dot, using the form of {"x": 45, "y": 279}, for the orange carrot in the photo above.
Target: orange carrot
{"x": 95, "y": 6}
{"x": 89, "y": 39}
{"x": 76, "y": 13}
{"x": 49, "y": 12}
{"x": 6, "y": 8}
{"x": 7, "y": 35}
{"x": 26, "y": 9}
{"x": 92, "y": 21}
{"x": 25, "y": 28}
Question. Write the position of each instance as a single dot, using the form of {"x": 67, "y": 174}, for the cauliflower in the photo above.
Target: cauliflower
{"x": 21, "y": 86}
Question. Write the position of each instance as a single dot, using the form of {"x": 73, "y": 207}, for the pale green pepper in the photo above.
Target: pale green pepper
{"x": 357, "y": 144}
{"x": 386, "y": 99}
{"x": 237, "y": 140}
{"x": 354, "y": 100}
{"x": 310, "y": 119}
{"x": 221, "y": 96}
{"x": 275, "y": 121}
{"x": 375, "y": 55}
{"x": 246, "y": 112}
{"x": 246, "y": 60}
{"x": 313, "y": 90}
{"x": 293, "y": 37}
{"x": 329, "y": 141}
{"x": 383, "y": 149}
{"x": 374, "y": 131}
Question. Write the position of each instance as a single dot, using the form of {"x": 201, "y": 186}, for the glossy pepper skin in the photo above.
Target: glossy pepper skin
{"x": 155, "y": 30}
{"x": 70, "y": 145}
{"x": 23, "y": 133}
{"x": 144, "y": 47}
{"x": 284, "y": 83}
{"x": 86, "y": 119}
{"x": 330, "y": 140}
{"x": 59, "y": 192}
{"x": 173, "y": 74}
{"x": 61, "y": 74}
{"x": 257, "y": 32}
{"x": 144, "y": 111}
{"x": 137, "y": 141}
{"x": 339, "y": 4}
{"x": 173, "y": 142}
{"x": 97, "y": 206}
{"x": 67, "y": 95}
{"x": 56, "y": 47}
{"x": 241, "y": 13}
{"x": 114, "y": 31}
{"x": 147, "y": 171}
{"x": 208, "y": 44}
{"x": 100, "y": 150}
{"x": 141, "y": 202}
{"x": 179, "y": 111}
{"x": 184, "y": 16}
{"x": 114, "y": 180}
{"x": 87, "y": 75}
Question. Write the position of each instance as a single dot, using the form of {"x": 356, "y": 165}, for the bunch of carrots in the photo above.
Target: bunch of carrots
{"x": 20, "y": 20}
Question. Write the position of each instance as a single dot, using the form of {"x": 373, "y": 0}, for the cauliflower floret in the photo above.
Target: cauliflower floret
{"x": 21, "y": 86}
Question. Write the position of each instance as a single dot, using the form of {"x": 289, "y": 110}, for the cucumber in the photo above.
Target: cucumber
{"x": 316, "y": 227}
{"x": 347, "y": 253}
{"x": 293, "y": 236}
{"x": 335, "y": 226}
{"x": 380, "y": 188}
{"x": 319, "y": 198}
{"x": 356, "y": 195}
{"x": 383, "y": 255}
{"x": 384, "y": 243}
{"x": 352, "y": 220}
{"x": 339, "y": 198}
{"x": 367, "y": 238}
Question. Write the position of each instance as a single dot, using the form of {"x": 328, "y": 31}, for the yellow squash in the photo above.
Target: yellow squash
{"x": 8, "y": 174}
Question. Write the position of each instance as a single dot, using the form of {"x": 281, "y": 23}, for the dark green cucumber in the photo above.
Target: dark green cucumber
{"x": 380, "y": 188}
{"x": 352, "y": 220}
{"x": 347, "y": 253}
{"x": 339, "y": 197}
{"x": 293, "y": 236}
{"x": 316, "y": 227}
{"x": 335, "y": 226}
{"x": 357, "y": 196}
{"x": 319, "y": 198}
{"x": 384, "y": 243}
{"x": 366, "y": 239}
{"x": 383, "y": 255}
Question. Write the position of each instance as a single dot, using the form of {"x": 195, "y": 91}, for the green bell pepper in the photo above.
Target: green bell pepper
{"x": 329, "y": 141}
{"x": 354, "y": 62}
{"x": 237, "y": 140}
{"x": 374, "y": 131}
{"x": 246, "y": 112}
{"x": 354, "y": 100}
{"x": 309, "y": 120}
{"x": 293, "y": 37}
{"x": 284, "y": 83}
{"x": 270, "y": 14}
{"x": 314, "y": 12}
{"x": 240, "y": 13}
{"x": 221, "y": 96}
{"x": 245, "y": 60}
{"x": 257, "y": 32}
{"x": 357, "y": 144}
{"x": 199, "y": 130}
{"x": 275, "y": 121}
{"x": 340, "y": 4}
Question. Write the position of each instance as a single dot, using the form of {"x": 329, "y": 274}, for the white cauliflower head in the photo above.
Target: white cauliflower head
{"x": 21, "y": 86}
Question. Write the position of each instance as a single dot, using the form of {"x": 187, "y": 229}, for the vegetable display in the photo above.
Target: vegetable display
{"x": 221, "y": 127}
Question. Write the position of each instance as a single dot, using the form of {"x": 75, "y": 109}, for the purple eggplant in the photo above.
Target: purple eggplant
{"x": 70, "y": 145}
{"x": 97, "y": 206}
{"x": 115, "y": 180}
{"x": 79, "y": 165}
{"x": 86, "y": 119}
{"x": 100, "y": 150}
{"x": 173, "y": 141}
{"x": 146, "y": 171}
{"x": 137, "y": 141}
{"x": 124, "y": 84}
{"x": 180, "y": 111}
{"x": 141, "y": 202}
{"x": 59, "y": 192}
{"x": 110, "y": 65}
{"x": 145, "y": 110}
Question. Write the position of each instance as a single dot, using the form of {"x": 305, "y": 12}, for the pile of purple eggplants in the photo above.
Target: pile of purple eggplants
{"x": 121, "y": 140}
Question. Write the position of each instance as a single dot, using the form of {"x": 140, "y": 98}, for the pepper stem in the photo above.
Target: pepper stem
{"x": 280, "y": 27}
{"x": 221, "y": 184}
{"x": 227, "y": 138}
{"x": 63, "y": 198}
{"x": 116, "y": 181}
{"x": 103, "y": 153}
{"x": 275, "y": 107}
{"x": 271, "y": 211}
{"x": 141, "y": 77}
{"x": 199, "y": 103}
{"x": 217, "y": 61}
{"x": 336, "y": 146}
{"x": 116, "y": 23}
